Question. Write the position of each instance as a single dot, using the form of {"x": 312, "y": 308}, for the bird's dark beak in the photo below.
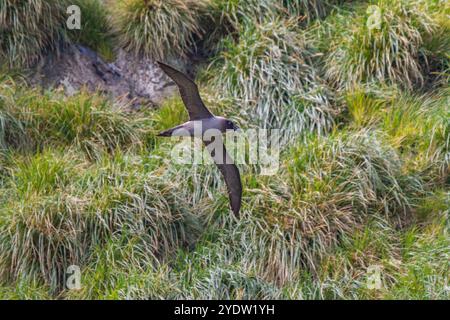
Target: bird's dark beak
{"x": 236, "y": 128}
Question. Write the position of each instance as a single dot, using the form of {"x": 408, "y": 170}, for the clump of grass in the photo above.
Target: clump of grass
{"x": 33, "y": 120}
{"x": 270, "y": 73}
{"x": 227, "y": 18}
{"x": 234, "y": 13}
{"x": 419, "y": 128}
{"x": 30, "y": 28}
{"x": 25, "y": 289}
{"x": 361, "y": 174}
{"x": 241, "y": 67}
{"x": 373, "y": 250}
{"x": 411, "y": 262}
{"x": 424, "y": 271}
{"x": 327, "y": 188}
{"x": 158, "y": 28}
{"x": 334, "y": 183}
{"x": 216, "y": 275}
{"x": 365, "y": 106}
{"x": 389, "y": 52}
{"x": 437, "y": 47}
{"x": 118, "y": 270}
{"x": 415, "y": 125}
{"x": 61, "y": 207}
{"x": 309, "y": 9}
{"x": 44, "y": 173}
{"x": 95, "y": 31}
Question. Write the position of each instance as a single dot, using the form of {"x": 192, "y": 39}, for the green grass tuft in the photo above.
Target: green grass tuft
{"x": 270, "y": 74}
{"x": 389, "y": 52}
{"x": 32, "y": 120}
{"x": 60, "y": 207}
{"x": 30, "y": 28}
{"x": 158, "y": 28}
{"x": 416, "y": 126}
{"x": 307, "y": 9}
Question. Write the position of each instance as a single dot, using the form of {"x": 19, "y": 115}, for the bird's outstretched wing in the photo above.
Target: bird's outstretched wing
{"x": 228, "y": 169}
{"x": 189, "y": 93}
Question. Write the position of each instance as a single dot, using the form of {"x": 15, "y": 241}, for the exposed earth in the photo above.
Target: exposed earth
{"x": 130, "y": 80}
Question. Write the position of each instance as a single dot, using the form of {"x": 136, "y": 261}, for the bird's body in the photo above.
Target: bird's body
{"x": 204, "y": 125}
{"x": 197, "y": 128}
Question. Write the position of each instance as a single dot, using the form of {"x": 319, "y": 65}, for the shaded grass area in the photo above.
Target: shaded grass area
{"x": 29, "y": 28}
{"x": 96, "y": 28}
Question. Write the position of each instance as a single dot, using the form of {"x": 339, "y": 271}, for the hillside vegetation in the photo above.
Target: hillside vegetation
{"x": 360, "y": 90}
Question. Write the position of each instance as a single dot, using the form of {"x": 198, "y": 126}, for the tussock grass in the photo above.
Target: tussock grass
{"x": 25, "y": 289}
{"x": 158, "y": 28}
{"x": 29, "y": 29}
{"x": 412, "y": 262}
{"x": 228, "y": 17}
{"x": 437, "y": 47}
{"x": 365, "y": 105}
{"x": 367, "y": 170}
{"x": 327, "y": 189}
{"x": 234, "y": 13}
{"x": 84, "y": 183}
{"x": 332, "y": 185}
{"x": 118, "y": 272}
{"x": 415, "y": 125}
{"x": 391, "y": 52}
{"x": 425, "y": 273}
{"x": 308, "y": 9}
{"x": 419, "y": 128}
{"x": 60, "y": 207}
{"x": 32, "y": 120}
{"x": 270, "y": 73}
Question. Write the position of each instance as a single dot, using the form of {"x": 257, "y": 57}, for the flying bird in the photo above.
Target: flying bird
{"x": 201, "y": 117}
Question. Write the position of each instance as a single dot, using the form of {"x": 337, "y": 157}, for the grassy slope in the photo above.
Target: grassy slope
{"x": 365, "y": 183}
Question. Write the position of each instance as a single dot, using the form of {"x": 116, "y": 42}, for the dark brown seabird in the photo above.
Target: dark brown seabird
{"x": 200, "y": 116}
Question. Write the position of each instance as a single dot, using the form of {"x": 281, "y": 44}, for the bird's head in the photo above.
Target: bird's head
{"x": 230, "y": 125}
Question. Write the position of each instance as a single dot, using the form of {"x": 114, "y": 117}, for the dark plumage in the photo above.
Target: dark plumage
{"x": 199, "y": 114}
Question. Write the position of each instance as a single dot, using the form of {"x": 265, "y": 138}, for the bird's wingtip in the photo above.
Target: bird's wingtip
{"x": 236, "y": 212}
{"x": 162, "y": 64}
